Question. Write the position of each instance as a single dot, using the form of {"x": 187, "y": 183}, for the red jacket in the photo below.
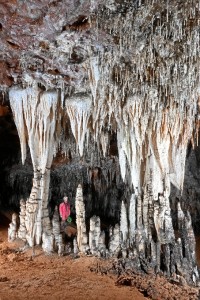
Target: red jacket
{"x": 64, "y": 210}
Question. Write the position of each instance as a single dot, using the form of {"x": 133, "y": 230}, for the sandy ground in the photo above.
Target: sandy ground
{"x": 53, "y": 277}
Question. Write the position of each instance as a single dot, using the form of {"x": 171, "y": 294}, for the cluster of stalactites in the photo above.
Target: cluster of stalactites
{"x": 147, "y": 132}
{"x": 146, "y": 137}
{"x": 79, "y": 110}
{"x": 146, "y": 88}
{"x": 35, "y": 115}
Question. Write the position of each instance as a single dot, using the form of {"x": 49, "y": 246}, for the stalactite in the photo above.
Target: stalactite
{"x": 94, "y": 77}
{"x": 79, "y": 110}
{"x": 17, "y": 108}
{"x": 104, "y": 139}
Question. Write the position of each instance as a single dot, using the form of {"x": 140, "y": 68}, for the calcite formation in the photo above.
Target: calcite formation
{"x": 82, "y": 239}
{"x": 113, "y": 87}
{"x": 12, "y": 230}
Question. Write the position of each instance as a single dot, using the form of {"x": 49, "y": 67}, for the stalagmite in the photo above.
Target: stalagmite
{"x": 188, "y": 261}
{"x": 94, "y": 234}
{"x": 82, "y": 239}
{"x": 58, "y": 242}
{"x": 12, "y": 230}
{"x": 124, "y": 223}
{"x": 96, "y": 237}
{"x": 102, "y": 244}
{"x": 22, "y": 217}
{"x": 132, "y": 217}
{"x": 75, "y": 247}
{"x": 114, "y": 240}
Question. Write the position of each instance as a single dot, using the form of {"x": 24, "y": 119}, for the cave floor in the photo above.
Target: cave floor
{"x": 53, "y": 277}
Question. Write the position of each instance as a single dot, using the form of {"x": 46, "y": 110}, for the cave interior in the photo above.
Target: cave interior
{"x": 103, "y": 192}
{"x": 99, "y": 101}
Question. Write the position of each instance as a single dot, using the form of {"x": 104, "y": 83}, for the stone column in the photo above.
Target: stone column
{"x": 82, "y": 239}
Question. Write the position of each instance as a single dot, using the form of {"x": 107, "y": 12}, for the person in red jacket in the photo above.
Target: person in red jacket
{"x": 64, "y": 209}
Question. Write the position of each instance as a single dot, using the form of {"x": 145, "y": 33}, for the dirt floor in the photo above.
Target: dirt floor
{"x": 53, "y": 277}
{"x": 85, "y": 278}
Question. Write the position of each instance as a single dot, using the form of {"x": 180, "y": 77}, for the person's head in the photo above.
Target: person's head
{"x": 65, "y": 199}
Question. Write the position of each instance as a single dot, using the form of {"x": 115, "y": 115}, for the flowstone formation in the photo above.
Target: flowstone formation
{"x": 112, "y": 86}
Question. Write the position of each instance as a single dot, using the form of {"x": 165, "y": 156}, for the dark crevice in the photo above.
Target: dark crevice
{"x": 13, "y": 45}
{"x": 81, "y": 21}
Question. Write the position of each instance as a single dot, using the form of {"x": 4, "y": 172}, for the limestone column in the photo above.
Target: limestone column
{"x": 82, "y": 239}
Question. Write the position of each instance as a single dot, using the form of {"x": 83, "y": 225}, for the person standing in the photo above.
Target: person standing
{"x": 64, "y": 209}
